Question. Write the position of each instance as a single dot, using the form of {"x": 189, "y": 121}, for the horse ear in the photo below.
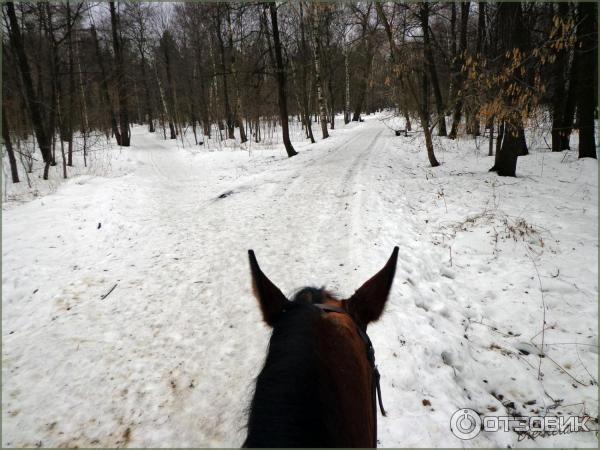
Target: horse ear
{"x": 366, "y": 304}
{"x": 271, "y": 299}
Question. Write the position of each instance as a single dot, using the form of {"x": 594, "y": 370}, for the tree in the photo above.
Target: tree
{"x": 317, "y": 60}
{"x": 512, "y": 138}
{"x": 587, "y": 38}
{"x": 33, "y": 102}
{"x": 138, "y": 15}
{"x": 9, "y": 148}
{"x": 106, "y": 95}
{"x": 237, "y": 107}
{"x": 406, "y": 78}
{"x": 303, "y": 74}
{"x": 367, "y": 44}
{"x": 281, "y": 82}
{"x": 168, "y": 49}
{"x": 430, "y": 61}
{"x": 462, "y": 47}
{"x": 217, "y": 23}
{"x": 124, "y": 132}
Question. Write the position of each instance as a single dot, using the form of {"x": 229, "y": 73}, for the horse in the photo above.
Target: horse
{"x": 319, "y": 383}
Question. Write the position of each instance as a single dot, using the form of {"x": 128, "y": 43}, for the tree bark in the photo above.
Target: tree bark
{"x": 9, "y": 148}
{"x": 362, "y": 85}
{"x": 511, "y": 137}
{"x": 367, "y": 42}
{"x": 281, "y": 83}
{"x": 430, "y": 61}
{"x": 453, "y": 55}
{"x": 32, "y": 101}
{"x": 104, "y": 84}
{"x": 424, "y": 116}
{"x": 305, "y": 103}
{"x": 71, "y": 87}
{"x": 237, "y": 107}
{"x": 85, "y": 125}
{"x": 347, "y": 86}
{"x": 587, "y": 37}
{"x": 172, "y": 103}
{"x": 473, "y": 125}
{"x": 559, "y": 95}
{"x": 120, "y": 76}
{"x": 458, "y": 101}
{"x": 330, "y": 70}
{"x": 54, "y": 82}
{"x": 317, "y": 61}
{"x": 226, "y": 106}
{"x": 505, "y": 163}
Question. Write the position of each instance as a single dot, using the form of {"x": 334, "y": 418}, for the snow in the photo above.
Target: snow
{"x": 168, "y": 358}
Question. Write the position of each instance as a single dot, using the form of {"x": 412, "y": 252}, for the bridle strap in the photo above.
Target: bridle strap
{"x": 376, "y": 389}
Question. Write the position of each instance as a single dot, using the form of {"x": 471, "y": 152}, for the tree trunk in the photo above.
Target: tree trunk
{"x": 458, "y": 101}
{"x": 120, "y": 75}
{"x": 71, "y": 86}
{"x": 317, "y": 61}
{"x": 424, "y": 116}
{"x": 347, "y": 86}
{"x": 148, "y": 101}
{"x": 473, "y": 125}
{"x": 9, "y": 148}
{"x": 491, "y": 140}
{"x": 226, "y": 106}
{"x": 281, "y": 87}
{"x": 568, "y": 113}
{"x": 204, "y": 95}
{"x": 104, "y": 83}
{"x": 510, "y": 147}
{"x": 85, "y": 126}
{"x": 171, "y": 104}
{"x": 54, "y": 82}
{"x": 512, "y": 138}
{"x": 430, "y": 61}
{"x": 32, "y": 101}
{"x": 479, "y": 47}
{"x": 60, "y": 121}
{"x": 330, "y": 70}
{"x": 362, "y": 89}
{"x": 214, "y": 90}
{"x": 587, "y": 37}
{"x": 237, "y": 108}
{"x": 163, "y": 102}
{"x": 453, "y": 55}
{"x": 558, "y": 84}
{"x": 304, "y": 75}
{"x": 367, "y": 43}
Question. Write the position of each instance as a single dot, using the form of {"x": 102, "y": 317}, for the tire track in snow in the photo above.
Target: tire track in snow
{"x": 311, "y": 220}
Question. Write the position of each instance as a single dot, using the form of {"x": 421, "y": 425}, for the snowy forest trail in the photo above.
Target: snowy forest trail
{"x": 169, "y": 356}
{"x": 173, "y": 236}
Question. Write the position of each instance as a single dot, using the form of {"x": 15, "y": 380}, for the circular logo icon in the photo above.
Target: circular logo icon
{"x": 465, "y": 424}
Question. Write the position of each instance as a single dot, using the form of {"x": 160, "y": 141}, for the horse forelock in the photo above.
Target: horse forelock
{"x": 312, "y": 295}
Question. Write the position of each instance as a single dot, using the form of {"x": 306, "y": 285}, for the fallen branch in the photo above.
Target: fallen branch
{"x": 108, "y": 293}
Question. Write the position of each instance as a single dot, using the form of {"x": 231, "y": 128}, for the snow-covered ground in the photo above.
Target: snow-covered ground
{"x": 168, "y": 358}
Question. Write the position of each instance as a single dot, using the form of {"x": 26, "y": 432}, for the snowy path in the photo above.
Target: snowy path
{"x": 168, "y": 358}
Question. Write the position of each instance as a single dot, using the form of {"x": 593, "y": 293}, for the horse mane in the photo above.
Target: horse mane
{"x": 284, "y": 411}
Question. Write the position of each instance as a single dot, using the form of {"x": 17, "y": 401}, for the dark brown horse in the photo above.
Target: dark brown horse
{"x": 319, "y": 384}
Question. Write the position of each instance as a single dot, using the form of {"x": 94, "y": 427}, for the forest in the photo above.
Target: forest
{"x": 222, "y": 69}
{"x": 155, "y": 153}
